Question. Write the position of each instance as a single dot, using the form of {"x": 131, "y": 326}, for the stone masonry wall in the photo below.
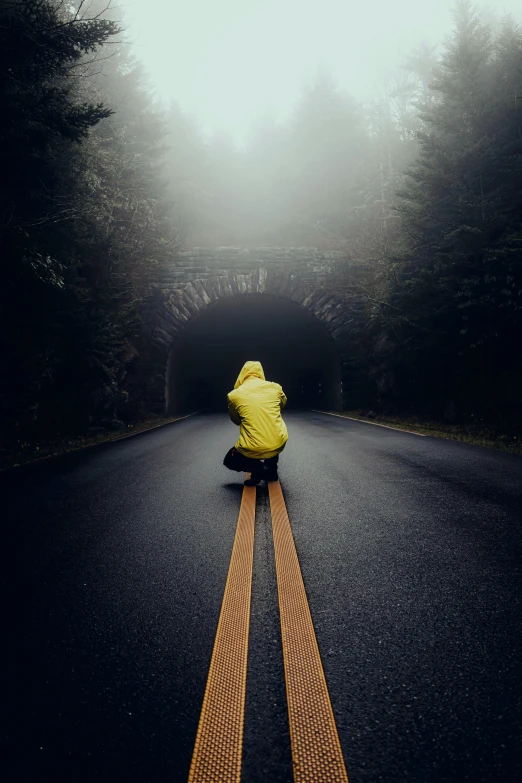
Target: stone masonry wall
{"x": 200, "y": 276}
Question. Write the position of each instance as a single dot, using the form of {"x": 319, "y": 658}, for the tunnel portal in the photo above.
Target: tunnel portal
{"x": 293, "y": 346}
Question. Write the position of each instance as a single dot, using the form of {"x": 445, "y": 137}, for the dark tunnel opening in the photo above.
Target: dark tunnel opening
{"x": 293, "y": 346}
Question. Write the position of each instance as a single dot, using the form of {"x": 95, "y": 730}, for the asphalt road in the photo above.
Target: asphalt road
{"x": 411, "y": 553}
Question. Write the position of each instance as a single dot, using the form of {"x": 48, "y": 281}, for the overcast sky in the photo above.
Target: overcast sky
{"x": 228, "y": 61}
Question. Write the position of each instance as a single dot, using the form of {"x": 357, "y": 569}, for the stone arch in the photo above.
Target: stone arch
{"x": 198, "y": 281}
{"x": 179, "y": 305}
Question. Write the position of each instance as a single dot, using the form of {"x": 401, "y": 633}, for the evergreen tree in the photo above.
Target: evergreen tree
{"x": 458, "y": 281}
{"x": 43, "y": 121}
{"x": 126, "y": 235}
{"x": 187, "y": 175}
{"x": 326, "y": 143}
{"x": 84, "y": 215}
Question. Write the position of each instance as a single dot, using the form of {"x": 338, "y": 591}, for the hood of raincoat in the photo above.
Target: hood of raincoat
{"x": 249, "y": 370}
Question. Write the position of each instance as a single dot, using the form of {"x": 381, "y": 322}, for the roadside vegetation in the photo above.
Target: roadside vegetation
{"x": 476, "y": 433}
{"x": 20, "y": 452}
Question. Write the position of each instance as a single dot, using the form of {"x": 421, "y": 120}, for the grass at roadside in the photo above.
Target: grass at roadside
{"x": 20, "y": 453}
{"x": 478, "y": 434}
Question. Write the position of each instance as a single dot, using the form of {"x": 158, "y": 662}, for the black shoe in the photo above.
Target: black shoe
{"x": 271, "y": 475}
{"x": 254, "y": 479}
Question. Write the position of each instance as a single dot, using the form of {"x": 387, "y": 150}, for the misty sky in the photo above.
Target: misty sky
{"x": 229, "y": 61}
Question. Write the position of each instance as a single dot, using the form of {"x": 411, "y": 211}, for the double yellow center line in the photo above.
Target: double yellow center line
{"x": 219, "y": 741}
{"x": 316, "y": 750}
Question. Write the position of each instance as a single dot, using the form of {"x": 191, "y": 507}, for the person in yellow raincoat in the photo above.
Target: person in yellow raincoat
{"x": 255, "y": 406}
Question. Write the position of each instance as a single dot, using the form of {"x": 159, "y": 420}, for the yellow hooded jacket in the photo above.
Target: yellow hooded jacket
{"x": 255, "y": 405}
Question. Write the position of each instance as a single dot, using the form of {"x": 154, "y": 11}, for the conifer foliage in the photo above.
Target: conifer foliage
{"x": 457, "y": 282}
{"x": 82, "y": 217}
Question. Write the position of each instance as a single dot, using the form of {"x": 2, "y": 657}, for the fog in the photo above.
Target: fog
{"x": 290, "y": 124}
{"x": 229, "y": 62}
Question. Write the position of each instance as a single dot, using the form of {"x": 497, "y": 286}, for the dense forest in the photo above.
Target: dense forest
{"x": 420, "y": 187}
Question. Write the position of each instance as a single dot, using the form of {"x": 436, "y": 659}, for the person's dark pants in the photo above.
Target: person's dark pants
{"x": 271, "y": 468}
{"x": 259, "y": 468}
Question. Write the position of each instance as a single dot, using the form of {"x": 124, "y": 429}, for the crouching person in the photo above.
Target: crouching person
{"x": 255, "y": 406}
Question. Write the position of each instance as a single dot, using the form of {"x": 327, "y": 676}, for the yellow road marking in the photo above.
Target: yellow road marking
{"x": 219, "y": 740}
{"x": 316, "y": 750}
{"x": 374, "y": 423}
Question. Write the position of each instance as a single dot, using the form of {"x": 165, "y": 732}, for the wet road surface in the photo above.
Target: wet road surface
{"x": 411, "y": 554}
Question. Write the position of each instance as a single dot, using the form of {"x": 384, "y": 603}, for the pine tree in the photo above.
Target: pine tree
{"x": 458, "y": 279}
{"x": 85, "y": 219}
{"x": 326, "y": 142}
{"x": 43, "y": 122}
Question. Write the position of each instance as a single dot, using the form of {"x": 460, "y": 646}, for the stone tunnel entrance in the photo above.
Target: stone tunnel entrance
{"x": 293, "y": 346}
